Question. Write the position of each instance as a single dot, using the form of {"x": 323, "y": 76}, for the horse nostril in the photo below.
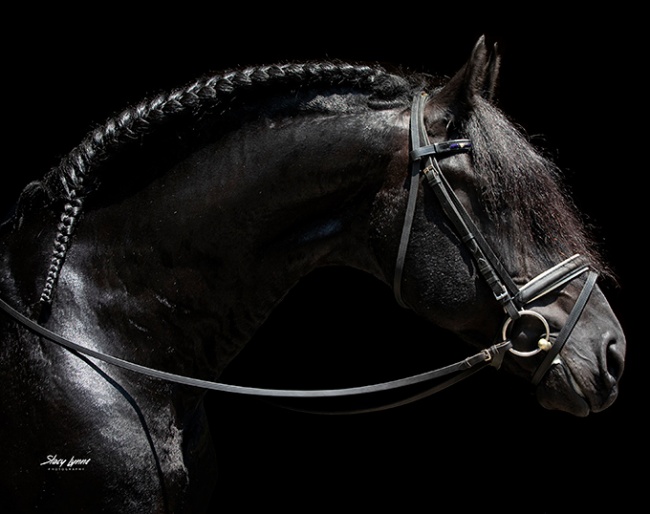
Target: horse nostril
{"x": 614, "y": 358}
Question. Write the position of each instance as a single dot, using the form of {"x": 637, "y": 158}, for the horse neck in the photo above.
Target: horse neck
{"x": 197, "y": 259}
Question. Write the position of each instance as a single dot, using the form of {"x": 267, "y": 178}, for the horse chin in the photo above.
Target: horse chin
{"x": 560, "y": 391}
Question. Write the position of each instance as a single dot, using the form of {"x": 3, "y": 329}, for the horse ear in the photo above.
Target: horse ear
{"x": 477, "y": 78}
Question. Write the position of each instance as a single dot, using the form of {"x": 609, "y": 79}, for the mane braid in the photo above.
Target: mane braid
{"x": 73, "y": 179}
{"x": 131, "y": 124}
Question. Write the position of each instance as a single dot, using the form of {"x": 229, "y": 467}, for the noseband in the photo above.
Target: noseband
{"x": 513, "y": 299}
{"x": 424, "y": 159}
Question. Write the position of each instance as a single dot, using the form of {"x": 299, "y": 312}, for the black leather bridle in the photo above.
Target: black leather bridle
{"x": 513, "y": 299}
{"x": 424, "y": 159}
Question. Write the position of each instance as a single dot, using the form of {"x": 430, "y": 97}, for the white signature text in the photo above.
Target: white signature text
{"x": 53, "y": 461}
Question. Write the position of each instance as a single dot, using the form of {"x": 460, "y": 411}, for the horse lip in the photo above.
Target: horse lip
{"x": 588, "y": 406}
{"x": 571, "y": 379}
{"x": 579, "y": 404}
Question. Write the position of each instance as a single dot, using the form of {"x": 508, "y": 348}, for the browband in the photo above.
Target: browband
{"x": 443, "y": 149}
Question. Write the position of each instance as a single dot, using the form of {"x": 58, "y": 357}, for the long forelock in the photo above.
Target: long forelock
{"x": 525, "y": 199}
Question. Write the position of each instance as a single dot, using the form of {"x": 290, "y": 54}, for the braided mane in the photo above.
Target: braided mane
{"x": 66, "y": 181}
{"x": 69, "y": 181}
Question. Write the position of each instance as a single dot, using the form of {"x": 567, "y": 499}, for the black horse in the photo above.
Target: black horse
{"x": 181, "y": 223}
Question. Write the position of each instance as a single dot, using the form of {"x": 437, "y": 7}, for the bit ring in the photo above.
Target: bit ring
{"x": 544, "y": 343}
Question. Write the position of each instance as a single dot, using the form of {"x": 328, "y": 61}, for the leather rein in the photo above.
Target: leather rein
{"x": 424, "y": 160}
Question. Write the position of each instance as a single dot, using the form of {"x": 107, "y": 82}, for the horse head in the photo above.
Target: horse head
{"x": 512, "y": 197}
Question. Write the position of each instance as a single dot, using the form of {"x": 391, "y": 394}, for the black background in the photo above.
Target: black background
{"x": 572, "y": 82}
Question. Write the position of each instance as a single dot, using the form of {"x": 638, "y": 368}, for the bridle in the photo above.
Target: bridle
{"x": 513, "y": 299}
{"x": 424, "y": 159}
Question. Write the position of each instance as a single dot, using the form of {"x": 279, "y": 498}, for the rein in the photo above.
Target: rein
{"x": 492, "y": 356}
{"x": 424, "y": 159}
